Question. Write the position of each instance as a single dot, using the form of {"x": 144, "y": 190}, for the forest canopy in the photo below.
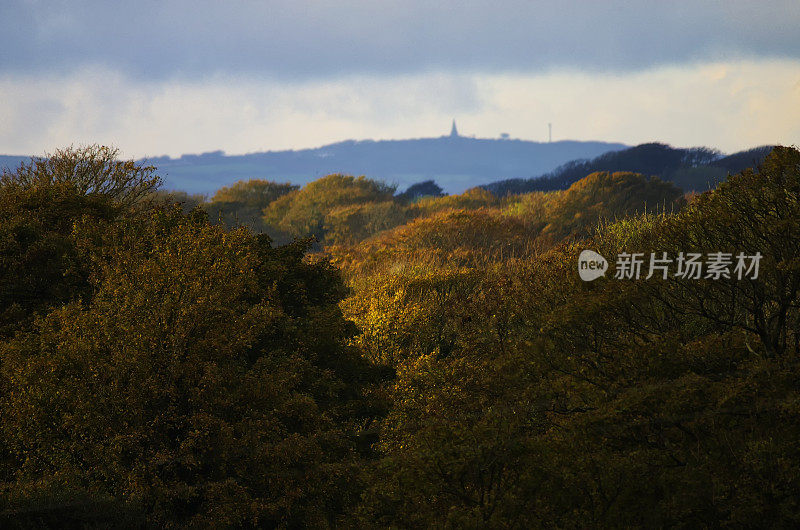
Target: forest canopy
{"x": 338, "y": 355}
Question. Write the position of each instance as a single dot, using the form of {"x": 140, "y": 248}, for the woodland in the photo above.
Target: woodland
{"x": 343, "y": 355}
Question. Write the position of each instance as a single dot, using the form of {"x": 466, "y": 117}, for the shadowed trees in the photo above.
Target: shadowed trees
{"x": 526, "y": 397}
{"x": 158, "y": 369}
{"x": 172, "y": 372}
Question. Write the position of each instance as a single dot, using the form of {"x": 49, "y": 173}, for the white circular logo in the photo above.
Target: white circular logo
{"x": 591, "y": 265}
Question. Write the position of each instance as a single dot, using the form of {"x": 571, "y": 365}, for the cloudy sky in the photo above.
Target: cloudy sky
{"x": 160, "y": 77}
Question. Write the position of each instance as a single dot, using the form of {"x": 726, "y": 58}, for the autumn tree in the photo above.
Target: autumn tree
{"x": 89, "y": 170}
{"x": 472, "y": 198}
{"x": 303, "y": 212}
{"x": 606, "y": 196}
{"x": 355, "y": 222}
{"x": 605, "y": 404}
{"x": 427, "y": 188}
{"x": 40, "y": 265}
{"x": 242, "y": 204}
{"x": 198, "y": 376}
{"x": 756, "y": 212}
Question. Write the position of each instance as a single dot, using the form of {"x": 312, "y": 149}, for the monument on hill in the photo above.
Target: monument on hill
{"x": 454, "y": 131}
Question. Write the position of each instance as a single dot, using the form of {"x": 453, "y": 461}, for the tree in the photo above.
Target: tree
{"x": 303, "y": 212}
{"x": 604, "y": 196}
{"x": 473, "y": 198}
{"x": 188, "y": 201}
{"x": 242, "y": 204}
{"x": 197, "y": 376}
{"x": 90, "y": 170}
{"x": 527, "y": 397}
{"x": 428, "y": 188}
{"x": 356, "y": 222}
{"x": 40, "y": 266}
{"x": 754, "y": 212}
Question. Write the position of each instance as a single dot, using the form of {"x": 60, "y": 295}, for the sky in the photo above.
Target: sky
{"x": 172, "y": 77}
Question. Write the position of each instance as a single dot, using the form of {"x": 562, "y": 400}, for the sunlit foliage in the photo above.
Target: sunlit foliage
{"x": 433, "y": 363}
{"x": 603, "y": 196}
{"x": 242, "y": 204}
{"x": 303, "y": 212}
{"x": 473, "y": 198}
{"x": 89, "y": 170}
{"x": 526, "y": 397}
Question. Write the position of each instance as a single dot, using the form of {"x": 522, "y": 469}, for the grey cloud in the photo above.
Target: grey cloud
{"x": 153, "y": 39}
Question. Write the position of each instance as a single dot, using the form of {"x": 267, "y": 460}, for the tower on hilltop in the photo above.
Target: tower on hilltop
{"x": 453, "y": 130}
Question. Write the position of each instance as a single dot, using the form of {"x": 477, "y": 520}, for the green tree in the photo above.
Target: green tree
{"x": 90, "y": 170}
{"x": 40, "y": 265}
{"x": 303, "y": 212}
{"x": 606, "y": 196}
{"x": 606, "y": 404}
{"x": 356, "y": 222}
{"x": 197, "y": 376}
{"x": 242, "y": 204}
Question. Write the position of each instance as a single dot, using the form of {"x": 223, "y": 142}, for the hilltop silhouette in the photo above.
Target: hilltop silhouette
{"x": 691, "y": 169}
{"x": 454, "y": 162}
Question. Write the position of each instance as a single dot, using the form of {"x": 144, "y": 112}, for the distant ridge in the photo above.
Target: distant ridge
{"x": 12, "y": 162}
{"x": 691, "y": 169}
{"x": 455, "y": 162}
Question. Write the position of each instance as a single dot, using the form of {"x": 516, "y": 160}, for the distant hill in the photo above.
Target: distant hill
{"x": 691, "y": 169}
{"x": 454, "y": 162}
{"x": 12, "y": 162}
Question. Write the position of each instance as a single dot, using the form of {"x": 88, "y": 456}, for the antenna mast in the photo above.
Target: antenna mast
{"x": 549, "y": 132}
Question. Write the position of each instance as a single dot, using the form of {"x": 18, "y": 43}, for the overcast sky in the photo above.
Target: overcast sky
{"x": 172, "y": 77}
